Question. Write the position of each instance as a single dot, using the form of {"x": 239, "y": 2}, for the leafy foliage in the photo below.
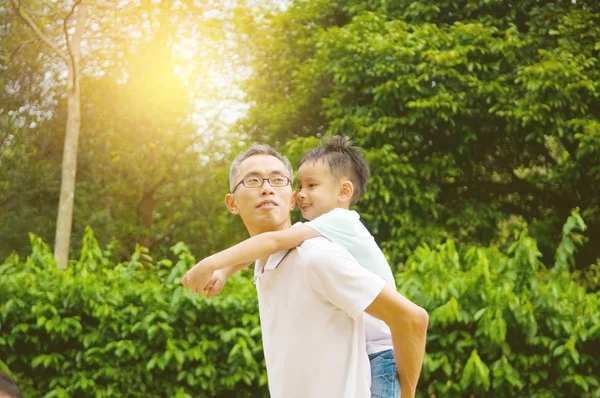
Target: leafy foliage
{"x": 472, "y": 111}
{"x": 501, "y": 324}
{"x": 152, "y": 158}
{"x": 103, "y": 330}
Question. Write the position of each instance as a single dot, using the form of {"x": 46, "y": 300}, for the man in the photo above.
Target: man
{"x": 312, "y": 298}
{"x": 8, "y": 387}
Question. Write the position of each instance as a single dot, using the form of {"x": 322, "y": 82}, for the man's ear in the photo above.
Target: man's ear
{"x": 293, "y": 200}
{"x": 346, "y": 190}
{"x": 230, "y": 203}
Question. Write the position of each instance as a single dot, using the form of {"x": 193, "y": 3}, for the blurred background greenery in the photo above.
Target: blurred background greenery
{"x": 480, "y": 120}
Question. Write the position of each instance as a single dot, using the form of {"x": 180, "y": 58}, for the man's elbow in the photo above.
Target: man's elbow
{"x": 416, "y": 321}
{"x": 421, "y": 319}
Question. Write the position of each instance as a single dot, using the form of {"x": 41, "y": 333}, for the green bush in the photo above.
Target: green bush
{"x": 501, "y": 325}
{"x": 101, "y": 329}
{"x": 504, "y": 325}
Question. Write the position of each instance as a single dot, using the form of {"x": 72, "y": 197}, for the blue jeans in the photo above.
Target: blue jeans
{"x": 384, "y": 375}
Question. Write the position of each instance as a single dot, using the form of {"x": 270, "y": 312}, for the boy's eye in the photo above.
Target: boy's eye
{"x": 312, "y": 185}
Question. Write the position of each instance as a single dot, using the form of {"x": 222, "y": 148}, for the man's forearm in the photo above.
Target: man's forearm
{"x": 408, "y": 324}
{"x": 408, "y": 338}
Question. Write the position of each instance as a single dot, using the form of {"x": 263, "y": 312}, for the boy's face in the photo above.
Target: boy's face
{"x": 266, "y": 208}
{"x": 318, "y": 189}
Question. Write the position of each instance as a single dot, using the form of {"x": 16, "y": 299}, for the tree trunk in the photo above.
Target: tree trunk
{"x": 69, "y": 166}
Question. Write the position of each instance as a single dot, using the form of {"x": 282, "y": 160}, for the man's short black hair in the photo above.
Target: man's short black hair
{"x": 8, "y": 386}
{"x": 344, "y": 160}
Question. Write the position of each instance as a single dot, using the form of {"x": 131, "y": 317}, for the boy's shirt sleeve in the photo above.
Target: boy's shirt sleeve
{"x": 343, "y": 226}
{"x": 336, "y": 225}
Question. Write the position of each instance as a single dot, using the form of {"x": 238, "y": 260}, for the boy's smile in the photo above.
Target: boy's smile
{"x": 318, "y": 189}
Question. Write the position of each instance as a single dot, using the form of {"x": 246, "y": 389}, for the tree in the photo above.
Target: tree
{"x": 70, "y": 56}
{"x": 153, "y": 140}
{"x": 472, "y": 112}
{"x": 30, "y": 143}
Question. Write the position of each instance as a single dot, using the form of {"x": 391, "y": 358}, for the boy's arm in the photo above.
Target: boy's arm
{"x": 260, "y": 246}
{"x": 246, "y": 252}
{"x": 408, "y": 324}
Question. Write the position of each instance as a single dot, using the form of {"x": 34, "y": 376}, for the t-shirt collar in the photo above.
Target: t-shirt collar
{"x": 272, "y": 262}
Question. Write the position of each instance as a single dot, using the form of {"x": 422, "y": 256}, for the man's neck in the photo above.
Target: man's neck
{"x": 254, "y": 230}
{"x": 259, "y": 229}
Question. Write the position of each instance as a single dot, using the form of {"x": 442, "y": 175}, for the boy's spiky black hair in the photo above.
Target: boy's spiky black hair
{"x": 344, "y": 160}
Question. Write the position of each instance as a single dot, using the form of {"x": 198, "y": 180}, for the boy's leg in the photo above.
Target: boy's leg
{"x": 384, "y": 375}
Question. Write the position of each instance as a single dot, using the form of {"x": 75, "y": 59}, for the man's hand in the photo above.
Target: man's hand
{"x": 216, "y": 283}
{"x": 197, "y": 278}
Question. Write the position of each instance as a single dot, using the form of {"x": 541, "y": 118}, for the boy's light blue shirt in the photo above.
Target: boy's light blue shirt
{"x": 344, "y": 227}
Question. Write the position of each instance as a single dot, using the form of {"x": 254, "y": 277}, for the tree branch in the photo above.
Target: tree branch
{"x": 78, "y": 33}
{"x": 54, "y": 9}
{"x": 37, "y": 30}
{"x": 22, "y": 44}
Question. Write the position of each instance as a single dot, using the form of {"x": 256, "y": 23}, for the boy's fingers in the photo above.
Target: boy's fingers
{"x": 209, "y": 286}
{"x": 215, "y": 289}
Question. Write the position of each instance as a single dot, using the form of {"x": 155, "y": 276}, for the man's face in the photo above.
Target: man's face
{"x": 266, "y": 208}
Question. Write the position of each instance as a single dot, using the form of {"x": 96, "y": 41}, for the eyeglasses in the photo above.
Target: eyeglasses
{"x": 257, "y": 182}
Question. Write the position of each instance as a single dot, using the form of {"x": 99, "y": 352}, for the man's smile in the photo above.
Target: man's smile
{"x": 266, "y": 204}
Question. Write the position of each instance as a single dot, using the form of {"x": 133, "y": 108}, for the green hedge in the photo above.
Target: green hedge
{"x": 105, "y": 330}
{"x": 501, "y": 324}
{"x": 504, "y": 325}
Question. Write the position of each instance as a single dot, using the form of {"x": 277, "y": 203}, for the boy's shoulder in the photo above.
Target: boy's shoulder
{"x": 338, "y": 216}
{"x": 339, "y": 223}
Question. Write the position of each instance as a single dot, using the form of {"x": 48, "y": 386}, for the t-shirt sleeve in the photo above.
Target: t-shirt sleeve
{"x": 334, "y": 274}
{"x": 335, "y": 225}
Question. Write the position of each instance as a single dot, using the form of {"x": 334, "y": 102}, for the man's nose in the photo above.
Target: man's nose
{"x": 266, "y": 188}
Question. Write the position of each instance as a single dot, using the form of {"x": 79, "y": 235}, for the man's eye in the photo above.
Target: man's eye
{"x": 278, "y": 180}
{"x": 252, "y": 181}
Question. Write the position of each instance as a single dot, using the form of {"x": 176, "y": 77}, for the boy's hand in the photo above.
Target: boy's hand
{"x": 197, "y": 278}
{"x": 216, "y": 283}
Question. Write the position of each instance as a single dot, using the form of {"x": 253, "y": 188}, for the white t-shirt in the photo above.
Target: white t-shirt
{"x": 311, "y": 303}
{"x": 344, "y": 227}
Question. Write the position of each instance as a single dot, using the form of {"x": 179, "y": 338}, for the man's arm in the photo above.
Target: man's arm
{"x": 246, "y": 252}
{"x": 408, "y": 324}
{"x": 338, "y": 278}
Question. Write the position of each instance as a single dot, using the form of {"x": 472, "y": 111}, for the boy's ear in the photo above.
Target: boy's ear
{"x": 346, "y": 190}
{"x": 230, "y": 203}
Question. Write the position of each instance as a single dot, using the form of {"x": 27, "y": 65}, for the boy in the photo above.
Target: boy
{"x": 331, "y": 178}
